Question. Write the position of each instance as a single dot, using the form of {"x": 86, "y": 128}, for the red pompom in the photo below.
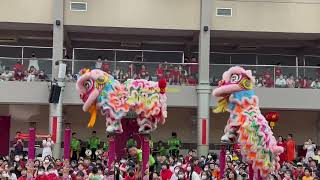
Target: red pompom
{"x": 162, "y": 85}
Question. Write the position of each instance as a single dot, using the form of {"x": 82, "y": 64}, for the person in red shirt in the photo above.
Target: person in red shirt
{"x": 278, "y": 70}
{"x": 196, "y": 166}
{"x": 165, "y": 172}
{"x": 192, "y": 81}
{"x": 51, "y": 174}
{"x": 267, "y": 80}
{"x": 41, "y": 175}
{"x": 160, "y": 72}
{"x": 298, "y": 171}
{"x": 131, "y": 175}
{"x": 143, "y": 73}
{"x": 193, "y": 69}
{"x": 188, "y": 158}
{"x": 105, "y": 66}
{"x": 131, "y": 70}
{"x": 282, "y": 156}
{"x": 23, "y": 174}
{"x": 291, "y": 148}
{"x": 18, "y": 66}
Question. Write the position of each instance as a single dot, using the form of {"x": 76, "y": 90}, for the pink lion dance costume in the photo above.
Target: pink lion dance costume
{"x": 147, "y": 99}
{"x": 246, "y": 125}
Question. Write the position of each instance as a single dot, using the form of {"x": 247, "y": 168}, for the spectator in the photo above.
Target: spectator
{"x": 75, "y": 147}
{"x": 98, "y": 64}
{"x": 281, "y": 82}
{"x": 33, "y": 62}
{"x": 193, "y": 68}
{"x": 94, "y": 143}
{"x": 192, "y": 81}
{"x": 6, "y": 75}
{"x": 291, "y": 82}
{"x": 46, "y": 151}
{"x": 315, "y": 84}
{"x": 31, "y": 74}
{"x": 143, "y": 73}
{"x": 23, "y": 174}
{"x": 165, "y": 172}
{"x": 291, "y": 148}
{"x": 174, "y": 144}
{"x": 19, "y": 76}
{"x": 160, "y": 72}
{"x": 282, "y": 156}
{"x": 42, "y": 76}
{"x": 268, "y": 81}
{"x": 317, "y": 157}
{"x": 191, "y": 173}
{"x": 131, "y": 142}
{"x": 278, "y": 70}
{"x": 2, "y": 67}
{"x": 307, "y": 174}
{"x": 18, "y": 66}
{"x": 259, "y": 82}
{"x": 106, "y": 66}
{"x": 310, "y": 147}
{"x": 18, "y": 145}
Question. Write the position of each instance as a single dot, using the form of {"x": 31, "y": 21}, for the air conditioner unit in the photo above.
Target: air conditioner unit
{"x": 225, "y": 12}
{"x": 78, "y": 6}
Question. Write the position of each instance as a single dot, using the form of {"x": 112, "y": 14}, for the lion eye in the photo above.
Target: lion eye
{"x": 235, "y": 78}
{"x": 87, "y": 85}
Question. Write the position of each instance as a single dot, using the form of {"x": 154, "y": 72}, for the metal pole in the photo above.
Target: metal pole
{"x": 203, "y": 88}
{"x": 55, "y": 114}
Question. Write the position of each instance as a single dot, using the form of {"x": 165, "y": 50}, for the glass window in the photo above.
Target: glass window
{"x": 158, "y": 56}
{"x": 277, "y": 59}
{"x": 243, "y": 59}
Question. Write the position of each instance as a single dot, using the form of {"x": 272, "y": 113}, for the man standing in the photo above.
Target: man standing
{"x": 174, "y": 144}
{"x": 291, "y": 148}
{"x": 75, "y": 147}
{"x": 18, "y": 145}
{"x": 93, "y": 143}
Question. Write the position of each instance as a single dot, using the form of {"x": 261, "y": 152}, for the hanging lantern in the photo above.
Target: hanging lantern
{"x": 272, "y": 118}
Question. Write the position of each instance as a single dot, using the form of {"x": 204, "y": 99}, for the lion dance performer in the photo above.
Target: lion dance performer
{"x": 246, "y": 125}
{"x": 147, "y": 99}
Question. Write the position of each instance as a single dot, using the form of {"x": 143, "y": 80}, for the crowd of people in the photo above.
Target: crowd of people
{"x": 166, "y": 162}
{"x": 21, "y": 73}
{"x": 175, "y": 74}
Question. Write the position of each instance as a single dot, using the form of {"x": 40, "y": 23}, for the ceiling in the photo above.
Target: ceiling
{"x": 162, "y": 39}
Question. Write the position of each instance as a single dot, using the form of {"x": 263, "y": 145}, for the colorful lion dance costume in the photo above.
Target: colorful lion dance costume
{"x": 246, "y": 124}
{"x": 147, "y": 99}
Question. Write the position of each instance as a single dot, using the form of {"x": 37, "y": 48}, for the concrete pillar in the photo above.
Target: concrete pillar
{"x": 203, "y": 88}
{"x": 55, "y": 110}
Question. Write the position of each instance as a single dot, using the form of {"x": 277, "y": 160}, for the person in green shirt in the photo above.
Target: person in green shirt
{"x": 131, "y": 142}
{"x": 136, "y": 153}
{"x": 174, "y": 144}
{"x": 161, "y": 149}
{"x": 75, "y": 147}
{"x": 93, "y": 144}
{"x": 106, "y": 145}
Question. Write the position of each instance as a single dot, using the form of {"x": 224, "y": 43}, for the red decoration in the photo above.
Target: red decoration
{"x": 272, "y": 118}
{"x": 162, "y": 85}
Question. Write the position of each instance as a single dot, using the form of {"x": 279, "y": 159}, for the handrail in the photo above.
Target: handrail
{"x": 253, "y": 53}
{"x": 164, "y": 63}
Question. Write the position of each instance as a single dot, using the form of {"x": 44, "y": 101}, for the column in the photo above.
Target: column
{"x": 203, "y": 88}
{"x": 55, "y": 114}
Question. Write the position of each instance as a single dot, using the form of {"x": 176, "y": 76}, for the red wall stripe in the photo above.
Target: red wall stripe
{"x": 54, "y": 128}
{"x": 204, "y": 131}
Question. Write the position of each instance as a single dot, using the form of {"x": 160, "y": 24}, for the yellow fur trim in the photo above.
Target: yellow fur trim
{"x": 93, "y": 112}
{"x": 221, "y": 106}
